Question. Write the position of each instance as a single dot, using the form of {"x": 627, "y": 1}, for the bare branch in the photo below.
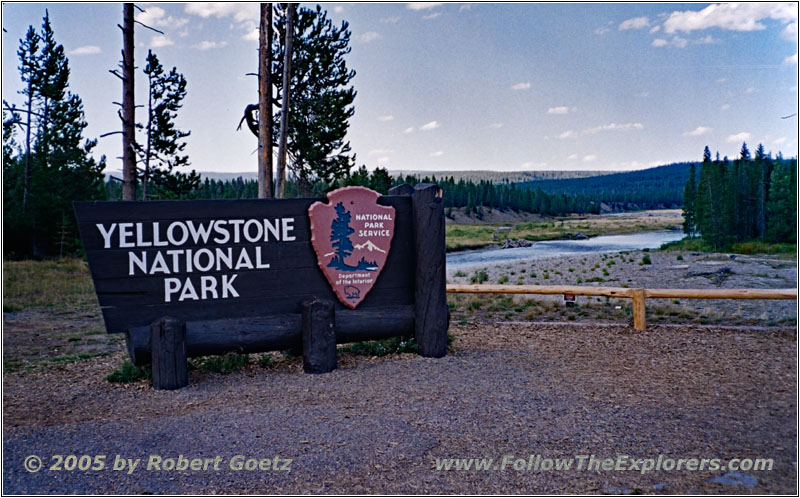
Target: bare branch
{"x": 149, "y": 27}
{"x": 104, "y": 135}
{"x": 115, "y": 73}
{"x": 139, "y": 8}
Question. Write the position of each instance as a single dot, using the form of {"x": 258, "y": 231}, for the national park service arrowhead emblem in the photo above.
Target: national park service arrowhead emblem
{"x": 351, "y": 235}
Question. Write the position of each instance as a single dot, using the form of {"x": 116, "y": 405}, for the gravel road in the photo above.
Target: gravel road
{"x": 377, "y": 425}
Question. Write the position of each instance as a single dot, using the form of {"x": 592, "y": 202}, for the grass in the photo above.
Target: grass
{"x": 746, "y": 247}
{"x": 60, "y": 283}
{"x": 128, "y": 373}
{"x": 393, "y": 345}
{"x": 222, "y": 364}
{"x": 479, "y": 277}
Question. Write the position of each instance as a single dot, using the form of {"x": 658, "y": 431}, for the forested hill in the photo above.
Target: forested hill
{"x": 660, "y": 187}
{"x": 477, "y": 176}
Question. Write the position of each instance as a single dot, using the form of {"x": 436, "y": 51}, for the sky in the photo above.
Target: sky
{"x": 504, "y": 87}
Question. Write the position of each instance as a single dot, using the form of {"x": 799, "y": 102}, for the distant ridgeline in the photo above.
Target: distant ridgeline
{"x": 575, "y": 192}
{"x": 653, "y": 188}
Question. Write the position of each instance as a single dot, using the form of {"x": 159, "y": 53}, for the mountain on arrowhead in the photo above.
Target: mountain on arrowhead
{"x": 369, "y": 246}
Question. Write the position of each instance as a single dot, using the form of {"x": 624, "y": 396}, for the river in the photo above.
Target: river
{"x": 555, "y": 248}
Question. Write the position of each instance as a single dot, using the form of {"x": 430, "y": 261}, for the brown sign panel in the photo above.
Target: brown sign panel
{"x": 209, "y": 260}
{"x": 352, "y": 236}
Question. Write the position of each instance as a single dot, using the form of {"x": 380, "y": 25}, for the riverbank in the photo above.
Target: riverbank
{"x": 634, "y": 269}
{"x": 462, "y": 235}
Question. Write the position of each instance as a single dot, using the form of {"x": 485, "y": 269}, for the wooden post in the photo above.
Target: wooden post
{"x": 265, "y": 102}
{"x": 639, "y": 320}
{"x": 128, "y": 106}
{"x": 319, "y": 337}
{"x": 280, "y": 180}
{"x": 430, "y": 297}
{"x": 168, "y": 340}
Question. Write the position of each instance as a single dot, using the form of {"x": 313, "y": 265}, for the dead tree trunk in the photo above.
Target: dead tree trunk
{"x": 128, "y": 107}
{"x": 265, "y": 103}
{"x": 280, "y": 184}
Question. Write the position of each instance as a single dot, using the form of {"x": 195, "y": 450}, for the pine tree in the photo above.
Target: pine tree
{"x": 59, "y": 168}
{"x": 781, "y": 207}
{"x": 163, "y": 142}
{"x": 320, "y": 100}
{"x": 340, "y": 237}
{"x": 689, "y": 195}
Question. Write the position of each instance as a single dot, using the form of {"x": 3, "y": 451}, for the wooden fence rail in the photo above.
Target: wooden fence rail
{"x": 638, "y": 295}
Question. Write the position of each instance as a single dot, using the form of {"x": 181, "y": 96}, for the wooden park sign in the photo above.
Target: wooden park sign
{"x": 191, "y": 278}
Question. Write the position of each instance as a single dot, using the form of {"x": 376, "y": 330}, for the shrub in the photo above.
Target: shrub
{"x": 646, "y": 260}
{"x": 223, "y": 364}
{"x": 479, "y": 277}
{"x": 128, "y": 372}
{"x": 503, "y": 279}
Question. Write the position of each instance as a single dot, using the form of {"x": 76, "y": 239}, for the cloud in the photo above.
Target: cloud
{"x": 676, "y": 41}
{"x": 379, "y": 152}
{"x": 635, "y": 23}
{"x": 408, "y": 130}
{"x": 338, "y": 9}
{"x": 559, "y": 110}
{"x": 644, "y": 93}
{"x": 779, "y": 141}
{"x": 369, "y": 36}
{"x": 721, "y": 80}
{"x": 792, "y": 59}
{"x": 465, "y": 7}
{"x": 209, "y": 45}
{"x": 495, "y": 126}
{"x": 391, "y": 20}
{"x": 750, "y": 90}
{"x": 790, "y": 31}
{"x": 601, "y": 31}
{"x": 698, "y": 132}
{"x": 655, "y": 29}
{"x": 614, "y": 127}
{"x": 572, "y": 157}
{"x": 432, "y": 15}
{"x": 86, "y": 50}
{"x": 565, "y": 135}
{"x": 706, "y": 40}
{"x": 589, "y": 158}
{"x": 155, "y": 17}
{"x": 430, "y": 126}
{"x": 438, "y": 153}
{"x": 679, "y": 42}
{"x": 383, "y": 160}
{"x": 386, "y": 118}
{"x": 724, "y": 107}
{"x": 160, "y": 41}
{"x": 731, "y": 16}
{"x": 244, "y": 15}
{"x": 521, "y": 86}
{"x": 422, "y": 5}
{"x": 739, "y": 137}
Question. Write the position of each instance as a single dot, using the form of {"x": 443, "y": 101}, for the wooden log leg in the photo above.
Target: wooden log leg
{"x": 430, "y": 295}
{"x": 168, "y": 340}
{"x": 319, "y": 337}
{"x": 639, "y": 320}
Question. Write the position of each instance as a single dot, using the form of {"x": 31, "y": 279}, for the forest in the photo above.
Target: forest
{"x": 753, "y": 197}
{"x": 654, "y": 188}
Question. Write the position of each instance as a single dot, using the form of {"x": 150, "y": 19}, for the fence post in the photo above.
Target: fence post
{"x": 639, "y": 320}
{"x": 168, "y": 340}
{"x": 430, "y": 295}
{"x": 319, "y": 337}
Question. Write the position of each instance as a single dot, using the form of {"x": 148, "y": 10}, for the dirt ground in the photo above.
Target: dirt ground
{"x": 665, "y": 270}
{"x": 378, "y": 425}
